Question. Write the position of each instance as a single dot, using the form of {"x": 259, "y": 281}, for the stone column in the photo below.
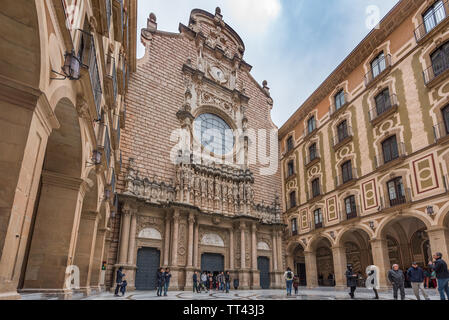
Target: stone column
{"x": 99, "y": 256}
{"x": 311, "y": 269}
{"x": 439, "y": 241}
{"x": 340, "y": 264}
{"x": 254, "y": 246}
{"x": 231, "y": 249}
{"x": 174, "y": 248}
{"x": 275, "y": 254}
{"x": 124, "y": 237}
{"x": 381, "y": 260}
{"x": 167, "y": 242}
{"x": 132, "y": 240}
{"x": 242, "y": 246}
{"x": 85, "y": 248}
{"x": 55, "y": 233}
{"x": 195, "y": 245}
{"x": 190, "y": 268}
{"x": 279, "y": 250}
{"x": 190, "y": 241}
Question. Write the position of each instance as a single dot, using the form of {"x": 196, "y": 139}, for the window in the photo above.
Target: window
{"x": 446, "y": 118}
{"x": 342, "y": 130}
{"x": 383, "y": 102}
{"x": 351, "y": 209}
{"x": 346, "y": 169}
{"x": 434, "y": 15}
{"x": 440, "y": 59}
{"x": 311, "y": 125}
{"x": 378, "y": 65}
{"x": 318, "y": 218}
{"x": 294, "y": 227}
{"x": 290, "y": 144}
{"x": 214, "y": 133}
{"x": 396, "y": 192}
{"x": 291, "y": 169}
{"x": 390, "y": 149}
{"x": 316, "y": 188}
{"x": 292, "y": 199}
{"x": 313, "y": 152}
{"x": 340, "y": 99}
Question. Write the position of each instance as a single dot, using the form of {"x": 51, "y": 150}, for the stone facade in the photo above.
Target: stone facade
{"x": 60, "y": 139}
{"x": 370, "y": 173}
{"x": 179, "y": 201}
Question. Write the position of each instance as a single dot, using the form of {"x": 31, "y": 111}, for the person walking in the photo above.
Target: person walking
{"x": 167, "y": 277}
{"x": 220, "y": 280}
{"x": 119, "y": 280}
{"x": 204, "y": 281}
{"x": 416, "y": 277}
{"x": 296, "y": 284}
{"x": 426, "y": 278}
{"x": 227, "y": 281}
{"x": 160, "y": 281}
{"x": 196, "y": 287}
{"x": 351, "y": 280}
{"x": 211, "y": 283}
{"x": 288, "y": 276}
{"x": 397, "y": 279}
{"x": 123, "y": 286}
{"x": 442, "y": 274}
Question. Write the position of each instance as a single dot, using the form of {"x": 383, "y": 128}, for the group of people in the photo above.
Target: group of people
{"x": 121, "y": 283}
{"x": 209, "y": 282}
{"x": 163, "y": 281}
{"x": 417, "y": 277}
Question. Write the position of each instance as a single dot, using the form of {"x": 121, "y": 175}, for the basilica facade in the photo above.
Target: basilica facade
{"x": 191, "y": 198}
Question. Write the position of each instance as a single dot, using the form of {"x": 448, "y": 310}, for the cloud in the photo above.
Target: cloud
{"x": 254, "y": 16}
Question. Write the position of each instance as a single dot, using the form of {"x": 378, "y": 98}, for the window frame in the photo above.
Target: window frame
{"x": 342, "y": 131}
{"x": 346, "y": 172}
{"x": 316, "y": 188}
{"x": 216, "y": 124}
{"x": 290, "y": 144}
{"x": 392, "y": 147}
{"x": 292, "y": 198}
{"x": 378, "y": 64}
{"x": 290, "y": 168}
{"x": 311, "y": 124}
{"x": 352, "y": 205}
{"x": 396, "y": 185}
{"x": 430, "y": 15}
{"x": 339, "y": 99}
{"x": 445, "y": 114}
{"x": 318, "y": 218}
{"x": 313, "y": 152}
{"x": 383, "y": 101}
{"x": 294, "y": 223}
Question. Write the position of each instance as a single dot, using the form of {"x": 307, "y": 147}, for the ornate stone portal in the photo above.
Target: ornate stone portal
{"x": 199, "y": 206}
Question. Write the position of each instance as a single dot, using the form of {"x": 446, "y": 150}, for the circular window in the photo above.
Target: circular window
{"x": 214, "y": 134}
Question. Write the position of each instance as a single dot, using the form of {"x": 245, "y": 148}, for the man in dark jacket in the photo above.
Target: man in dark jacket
{"x": 397, "y": 279}
{"x": 119, "y": 280}
{"x": 227, "y": 281}
{"x": 167, "y": 277}
{"x": 351, "y": 280}
{"x": 160, "y": 281}
{"x": 440, "y": 268}
{"x": 416, "y": 277}
{"x": 195, "y": 282}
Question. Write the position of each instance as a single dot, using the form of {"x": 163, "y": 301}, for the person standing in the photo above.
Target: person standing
{"x": 196, "y": 286}
{"x": 119, "y": 280}
{"x": 372, "y": 282}
{"x": 426, "y": 278}
{"x": 123, "y": 286}
{"x": 220, "y": 280}
{"x": 167, "y": 277}
{"x": 211, "y": 283}
{"x": 204, "y": 281}
{"x": 397, "y": 279}
{"x": 416, "y": 277}
{"x": 228, "y": 281}
{"x": 433, "y": 279}
{"x": 351, "y": 280}
{"x": 160, "y": 281}
{"x": 288, "y": 276}
{"x": 442, "y": 274}
{"x": 296, "y": 284}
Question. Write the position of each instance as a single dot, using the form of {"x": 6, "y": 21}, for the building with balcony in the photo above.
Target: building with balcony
{"x": 62, "y": 87}
{"x": 198, "y": 204}
{"x": 366, "y": 156}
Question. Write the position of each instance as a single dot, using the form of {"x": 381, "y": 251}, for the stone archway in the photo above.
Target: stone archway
{"x": 299, "y": 264}
{"x": 58, "y": 210}
{"x": 324, "y": 262}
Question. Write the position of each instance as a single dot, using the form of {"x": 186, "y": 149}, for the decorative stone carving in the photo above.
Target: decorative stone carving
{"x": 212, "y": 239}
{"x": 150, "y": 233}
{"x": 262, "y": 245}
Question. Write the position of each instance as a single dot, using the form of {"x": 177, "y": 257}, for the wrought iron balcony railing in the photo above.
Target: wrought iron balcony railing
{"x": 111, "y": 73}
{"x": 377, "y": 70}
{"x": 381, "y": 160}
{"x": 312, "y": 157}
{"x": 353, "y": 214}
{"x": 398, "y": 200}
{"x": 346, "y": 178}
{"x": 333, "y": 108}
{"x": 434, "y": 71}
{"x": 342, "y": 136}
{"x": 431, "y": 22}
{"x": 441, "y": 131}
{"x": 382, "y": 108}
{"x": 88, "y": 57}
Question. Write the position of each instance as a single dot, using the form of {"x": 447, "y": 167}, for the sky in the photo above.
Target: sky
{"x": 293, "y": 44}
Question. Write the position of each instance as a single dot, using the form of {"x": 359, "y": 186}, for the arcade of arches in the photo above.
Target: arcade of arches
{"x": 400, "y": 240}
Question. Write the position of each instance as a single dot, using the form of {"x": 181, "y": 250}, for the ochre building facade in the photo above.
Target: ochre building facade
{"x": 64, "y": 67}
{"x": 365, "y": 160}
{"x": 195, "y": 209}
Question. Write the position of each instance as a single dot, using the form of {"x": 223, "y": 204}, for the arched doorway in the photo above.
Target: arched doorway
{"x": 212, "y": 262}
{"x": 299, "y": 262}
{"x": 325, "y": 263}
{"x": 53, "y": 240}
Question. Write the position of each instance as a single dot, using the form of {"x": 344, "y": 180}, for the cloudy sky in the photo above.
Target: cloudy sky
{"x": 293, "y": 44}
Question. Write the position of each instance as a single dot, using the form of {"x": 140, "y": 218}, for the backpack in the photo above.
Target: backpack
{"x": 290, "y": 275}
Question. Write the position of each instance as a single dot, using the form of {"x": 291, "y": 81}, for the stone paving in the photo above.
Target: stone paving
{"x": 304, "y": 294}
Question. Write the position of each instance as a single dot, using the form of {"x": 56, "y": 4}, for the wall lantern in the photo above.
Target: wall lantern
{"x": 371, "y": 225}
{"x": 430, "y": 211}
{"x": 107, "y": 194}
{"x": 96, "y": 158}
{"x": 71, "y": 67}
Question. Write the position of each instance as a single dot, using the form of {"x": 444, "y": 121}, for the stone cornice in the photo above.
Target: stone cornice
{"x": 375, "y": 38}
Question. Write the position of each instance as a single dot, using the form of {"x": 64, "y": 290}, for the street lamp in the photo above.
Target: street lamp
{"x": 71, "y": 67}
